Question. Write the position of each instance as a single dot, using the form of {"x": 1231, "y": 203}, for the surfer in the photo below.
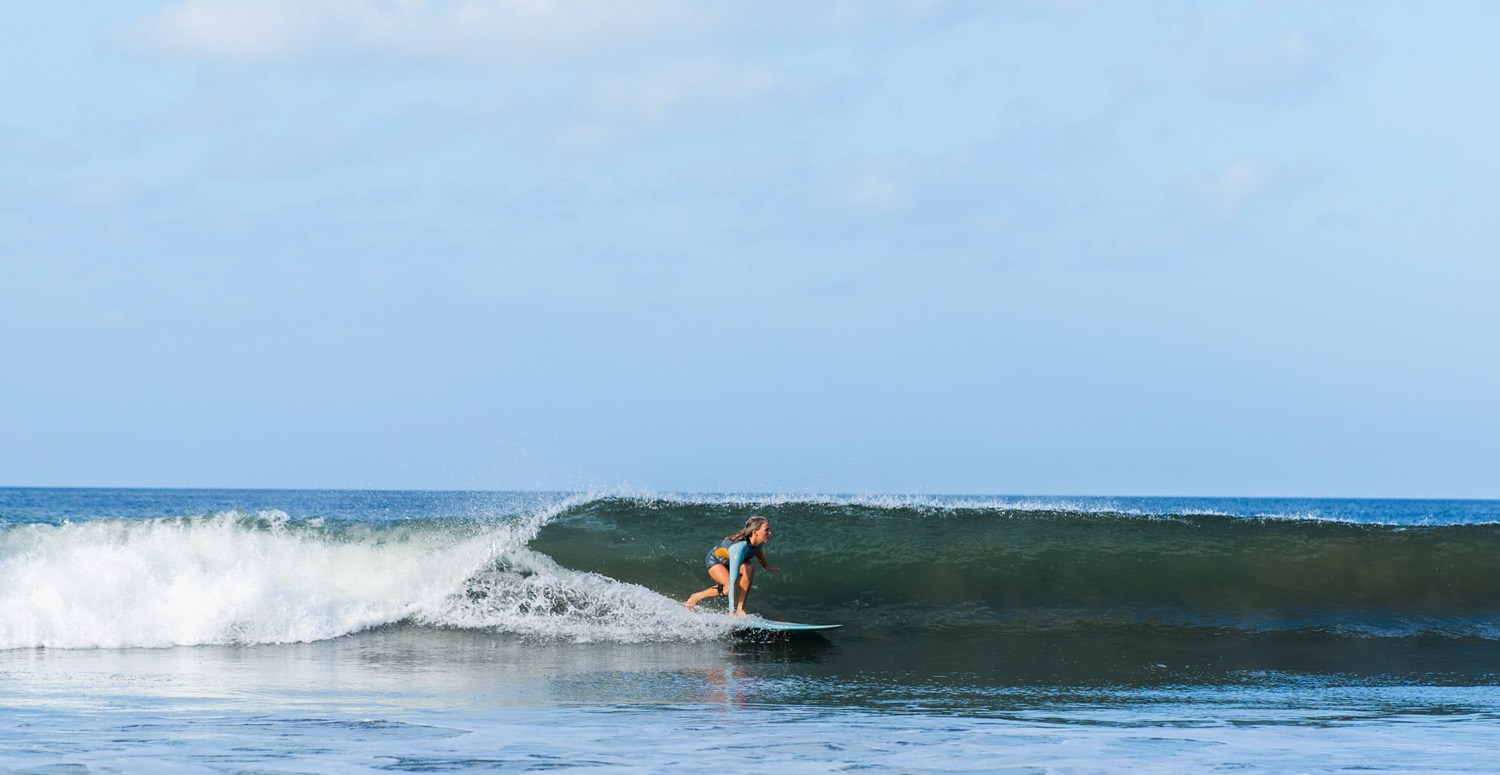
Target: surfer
{"x": 757, "y": 532}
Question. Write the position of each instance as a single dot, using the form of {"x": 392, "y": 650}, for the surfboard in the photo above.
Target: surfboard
{"x": 737, "y": 552}
{"x": 771, "y": 625}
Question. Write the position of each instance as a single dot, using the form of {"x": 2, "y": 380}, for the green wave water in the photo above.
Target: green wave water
{"x": 998, "y": 569}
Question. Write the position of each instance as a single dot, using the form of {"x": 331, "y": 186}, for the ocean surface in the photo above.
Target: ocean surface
{"x": 251, "y": 631}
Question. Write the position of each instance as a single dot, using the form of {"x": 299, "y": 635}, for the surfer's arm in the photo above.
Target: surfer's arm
{"x": 761, "y": 555}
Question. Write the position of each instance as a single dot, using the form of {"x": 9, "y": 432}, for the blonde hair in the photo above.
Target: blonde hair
{"x": 751, "y": 525}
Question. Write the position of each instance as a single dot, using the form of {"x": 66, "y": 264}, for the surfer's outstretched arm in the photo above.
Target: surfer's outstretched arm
{"x": 747, "y": 577}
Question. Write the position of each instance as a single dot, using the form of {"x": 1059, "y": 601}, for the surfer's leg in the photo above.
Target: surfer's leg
{"x": 720, "y": 574}
{"x": 713, "y": 591}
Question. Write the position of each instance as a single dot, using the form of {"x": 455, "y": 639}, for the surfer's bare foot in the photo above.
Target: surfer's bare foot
{"x": 737, "y": 612}
{"x": 690, "y": 606}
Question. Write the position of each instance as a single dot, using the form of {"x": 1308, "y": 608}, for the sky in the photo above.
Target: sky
{"x": 890, "y": 246}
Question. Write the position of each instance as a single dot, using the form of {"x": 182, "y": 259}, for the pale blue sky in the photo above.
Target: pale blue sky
{"x": 929, "y": 247}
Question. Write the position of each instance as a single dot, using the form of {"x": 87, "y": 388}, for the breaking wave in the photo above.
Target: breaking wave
{"x": 614, "y": 568}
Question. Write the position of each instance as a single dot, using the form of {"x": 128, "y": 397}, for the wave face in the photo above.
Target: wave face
{"x": 584, "y": 568}
{"x": 996, "y": 569}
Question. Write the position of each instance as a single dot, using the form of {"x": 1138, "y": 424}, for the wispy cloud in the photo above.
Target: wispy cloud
{"x": 109, "y": 192}
{"x": 1288, "y": 63}
{"x": 288, "y": 156}
{"x": 1283, "y": 65}
{"x": 594, "y": 73}
{"x": 874, "y": 189}
{"x": 1226, "y": 192}
{"x": 482, "y": 32}
{"x": 472, "y": 31}
{"x": 626, "y": 104}
{"x": 658, "y": 94}
{"x": 31, "y": 148}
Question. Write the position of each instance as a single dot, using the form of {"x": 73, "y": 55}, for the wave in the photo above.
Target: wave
{"x": 613, "y": 568}
{"x": 997, "y": 567}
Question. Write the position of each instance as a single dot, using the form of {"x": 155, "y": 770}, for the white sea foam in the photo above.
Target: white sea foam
{"x": 220, "y": 579}
{"x": 529, "y": 594}
{"x": 240, "y": 578}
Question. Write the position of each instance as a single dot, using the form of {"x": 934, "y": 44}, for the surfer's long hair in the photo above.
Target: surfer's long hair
{"x": 751, "y": 525}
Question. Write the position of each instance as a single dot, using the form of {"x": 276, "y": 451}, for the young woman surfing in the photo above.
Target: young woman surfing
{"x": 757, "y": 532}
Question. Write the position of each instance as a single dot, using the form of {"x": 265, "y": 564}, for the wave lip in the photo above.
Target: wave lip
{"x": 1362, "y": 511}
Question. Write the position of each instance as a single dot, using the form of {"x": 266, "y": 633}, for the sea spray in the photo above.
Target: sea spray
{"x": 245, "y": 578}
{"x": 526, "y": 593}
{"x": 225, "y": 578}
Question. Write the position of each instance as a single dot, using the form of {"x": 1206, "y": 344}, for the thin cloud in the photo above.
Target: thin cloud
{"x": 1288, "y": 63}
{"x": 1227, "y": 192}
{"x": 876, "y": 191}
{"x": 470, "y": 31}
{"x": 482, "y": 32}
{"x": 30, "y": 148}
{"x": 623, "y": 105}
{"x": 290, "y": 156}
{"x": 1285, "y": 66}
{"x": 659, "y": 94}
{"x": 101, "y": 193}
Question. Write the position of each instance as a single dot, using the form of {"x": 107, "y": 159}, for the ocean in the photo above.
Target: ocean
{"x": 258, "y": 631}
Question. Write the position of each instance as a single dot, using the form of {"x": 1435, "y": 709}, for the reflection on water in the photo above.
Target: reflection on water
{"x": 410, "y": 668}
{"x": 405, "y": 699}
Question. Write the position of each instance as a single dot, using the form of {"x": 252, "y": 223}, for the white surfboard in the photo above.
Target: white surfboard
{"x": 737, "y": 552}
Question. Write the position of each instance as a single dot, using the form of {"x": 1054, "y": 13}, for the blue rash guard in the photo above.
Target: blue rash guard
{"x": 720, "y": 553}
